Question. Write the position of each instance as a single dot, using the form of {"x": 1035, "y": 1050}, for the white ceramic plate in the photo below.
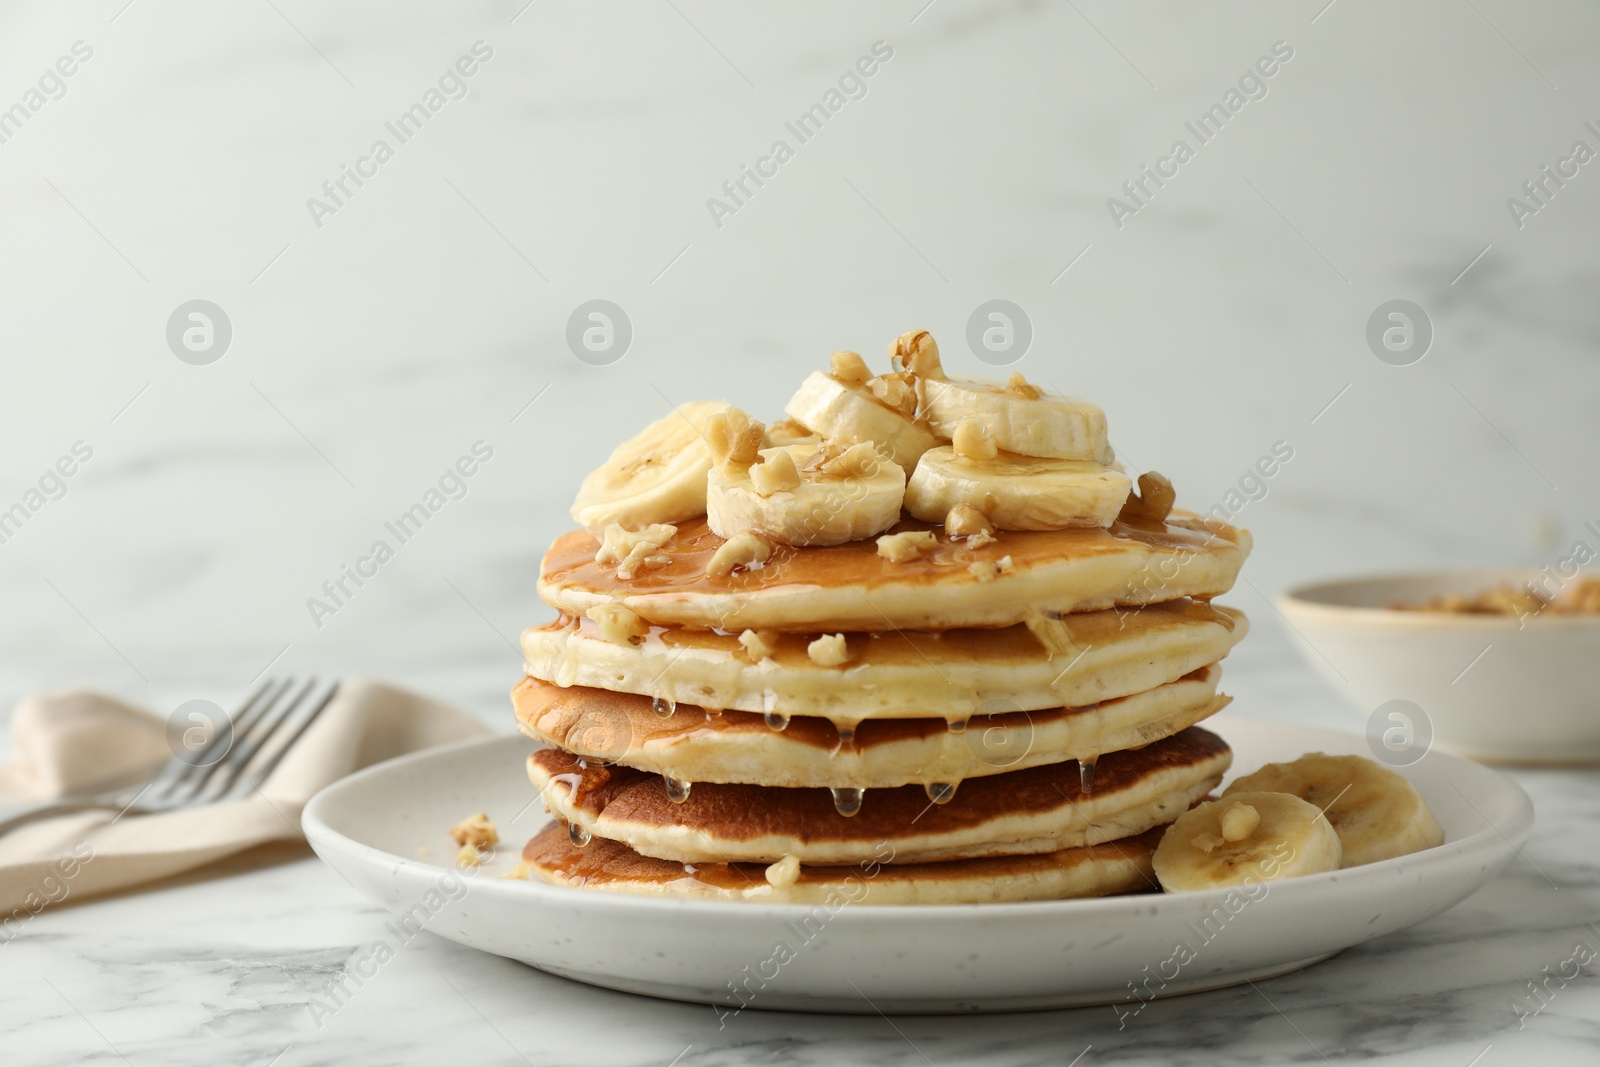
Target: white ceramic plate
{"x": 861, "y": 958}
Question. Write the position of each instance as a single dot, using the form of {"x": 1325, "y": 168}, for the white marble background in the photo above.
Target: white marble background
{"x": 369, "y": 353}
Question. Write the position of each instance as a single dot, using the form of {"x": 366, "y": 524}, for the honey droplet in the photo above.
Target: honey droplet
{"x": 777, "y": 720}
{"x": 677, "y": 789}
{"x": 663, "y": 707}
{"x": 956, "y": 726}
{"x": 847, "y": 732}
{"x": 847, "y": 801}
{"x": 941, "y": 792}
{"x": 1086, "y": 773}
{"x": 578, "y": 835}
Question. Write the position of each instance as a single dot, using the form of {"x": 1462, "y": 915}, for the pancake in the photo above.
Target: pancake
{"x": 693, "y": 745}
{"x": 900, "y": 674}
{"x": 609, "y": 866}
{"x": 850, "y": 587}
{"x": 1040, "y": 809}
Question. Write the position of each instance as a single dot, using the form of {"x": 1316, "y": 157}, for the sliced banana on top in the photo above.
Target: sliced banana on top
{"x": 1019, "y": 417}
{"x": 1377, "y": 813}
{"x": 801, "y": 495}
{"x": 1245, "y": 839}
{"x": 847, "y": 411}
{"x": 657, "y": 475}
{"x": 1016, "y": 492}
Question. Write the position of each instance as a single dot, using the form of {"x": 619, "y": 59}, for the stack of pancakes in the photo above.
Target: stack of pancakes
{"x": 1005, "y": 717}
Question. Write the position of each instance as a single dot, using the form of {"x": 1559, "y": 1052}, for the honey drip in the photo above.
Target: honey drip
{"x": 777, "y": 720}
{"x": 941, "y": 792}
{"x": 847, "y": 801}
{"x": 677, "y": 789}
{"x": 663, "y": 706}
{"x": 1086, "y": 773}
{"x": 578, "y": 835}
{"x": 956, "y": 726}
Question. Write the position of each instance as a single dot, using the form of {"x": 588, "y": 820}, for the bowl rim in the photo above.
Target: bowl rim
{"x": 1300, "y": 598}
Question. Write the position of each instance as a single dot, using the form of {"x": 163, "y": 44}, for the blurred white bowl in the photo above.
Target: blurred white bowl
{"x": 1494, "y": 687}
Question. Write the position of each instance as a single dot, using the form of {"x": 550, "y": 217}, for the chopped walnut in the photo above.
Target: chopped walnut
{"x": 740, "y": 550}
{"x": 972, "y": 441}
{"x": 1239, "y": 822}
{"x": 633, "y": 550}
{"x": 1153, "y": 502}
{"x": 1019, "y": 386}
{"x": 477, "y": 831}
{"x": 964, "y": 520}
{"x": 829, "y": 650}
{"x": 784, "y": 873}
{"x": 907, "y": 545}
{"x": 618, "y": 624}
{"x": 468, "y": 857}
{"x": 860, "y": 460}
{"x": 849, "y": 368}
{"x": 759, "y": 644}
{"x": 989, "y": 570}
{"x": 519, "y": 873}
{"x": 735, "y": 438}
{"x": 917, "y": 352}
{"x": 776, "y": 473}
{"x": 895, "y": 391}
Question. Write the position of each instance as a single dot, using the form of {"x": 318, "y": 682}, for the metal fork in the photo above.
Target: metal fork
{"x": 269, "y": 723}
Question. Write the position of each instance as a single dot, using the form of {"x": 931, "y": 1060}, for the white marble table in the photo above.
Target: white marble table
{"x": 373, "y": 346}
{"x": 224, "y": 968}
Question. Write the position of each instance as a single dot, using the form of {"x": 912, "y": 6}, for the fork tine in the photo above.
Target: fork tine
{"x": 292, "y": 730}
{"x": 246, "y": 748}
{"x": 183, "y": 779}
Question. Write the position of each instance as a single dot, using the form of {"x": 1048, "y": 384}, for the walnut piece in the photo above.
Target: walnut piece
{"x": 917, "y": 352}
{"x": 860, "y": 460}
{"x": 740, "y": 550}
{"x": 519, "y": 873}
{"x": 618, "y": 624}
{"x": 776, "y": 473}
{"x": 1153, "y": 502}
{"x": 906, "y": 546}
{"x": 633, "y": 550}
{"x": 477, "y": 831}
{"x": 964, "y": 520}
{"x": 759, "y": 644}
{"x": 1239, "y": 822}
{"x": 788, "y": 432}
{"x": 468, "y": 857}
{"x": 896, "y": 392}
{"x": 988, "y": 571}
{"x": 784, "y": 873}
{"x": 1019, "y": 386}
{"x": 971, "y": 441}
{"x": 829, "y": 650}
{"x": 849, "y": 368}
{"x": 735, "y": 438}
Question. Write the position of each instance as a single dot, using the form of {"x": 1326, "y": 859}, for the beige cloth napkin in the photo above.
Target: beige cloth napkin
{"x": 65, "y": 742}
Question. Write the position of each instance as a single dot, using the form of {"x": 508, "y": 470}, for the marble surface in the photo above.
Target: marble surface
{"x": 374, "y": 345}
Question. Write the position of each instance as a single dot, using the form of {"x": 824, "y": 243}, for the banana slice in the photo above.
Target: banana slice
{"x": 1376, "y": 812}
{"x": 1016, "y": 492}
{"x": 1019, "y": 417}
{"x": 823, "y": 496}
{"x": 1245, "y": 839}
{"x": 657, "y": 475}
{"x": 848, "y": 412}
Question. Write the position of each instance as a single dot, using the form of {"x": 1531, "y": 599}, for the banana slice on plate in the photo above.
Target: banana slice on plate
{"x": 805, "y": 495}
{"x": 1016, "y": 492}
{"x": 1245, "y": 839}
{"x": 844, "y": 409}
{"x": 1020, "y": 417}
{"x": 658, "y": 475}
{"x": 1377, "y": 813}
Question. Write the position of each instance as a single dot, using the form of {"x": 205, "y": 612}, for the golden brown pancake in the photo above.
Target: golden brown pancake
{"x": 694, "y": 745}
{"x": 1039, "y": 809}
{"x": 1120, "y": 866}
{"x": 849, "y": 587}
{"x": 905, "y": 673}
